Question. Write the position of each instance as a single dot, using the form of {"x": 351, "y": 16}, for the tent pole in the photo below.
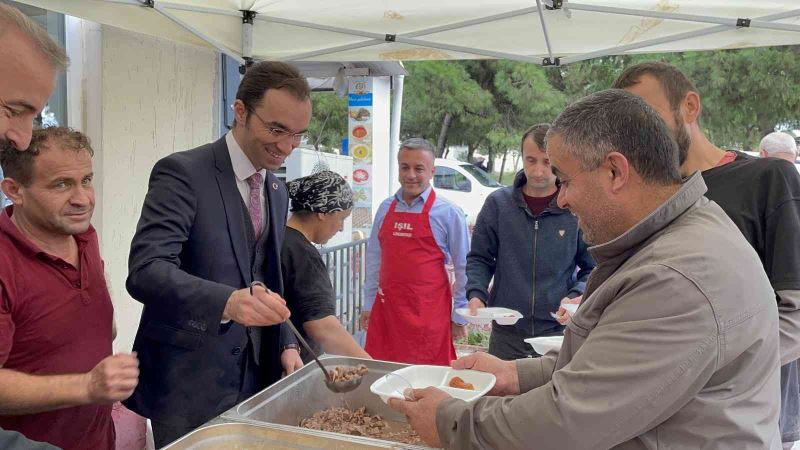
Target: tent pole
{"x": 655, "y": 14}
{"x": 544, "y": 30}
{"x": 427, "y": 31}
{"x": 210, "y": 41}
{"x": 247, "y": 39}
{"x": 397, "y": 38}
{"x": 675, "y": 37}
{"x": 200, "y": 9}
{"x": 128, "y": 2}
{"x": 394, "y": 138}
{"x": 472, "y": 22}
{"x": 469, "y": 50}
{"x": 776, "y": 26}
{"x": 326, "y": 51}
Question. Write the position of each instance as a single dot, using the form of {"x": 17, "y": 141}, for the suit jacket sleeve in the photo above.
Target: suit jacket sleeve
{"x": 155, "y": 277}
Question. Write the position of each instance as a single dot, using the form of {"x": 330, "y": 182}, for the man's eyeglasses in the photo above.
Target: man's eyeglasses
{"x": 280, "y": 133}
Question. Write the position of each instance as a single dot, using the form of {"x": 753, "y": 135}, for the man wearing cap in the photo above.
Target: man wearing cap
{"x": 408, "y": 302}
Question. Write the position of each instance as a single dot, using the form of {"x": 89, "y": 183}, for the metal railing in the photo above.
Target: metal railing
{"x": 347, "y": 269}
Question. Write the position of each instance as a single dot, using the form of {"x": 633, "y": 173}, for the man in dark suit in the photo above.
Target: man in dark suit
{"x": 213, "y": 222}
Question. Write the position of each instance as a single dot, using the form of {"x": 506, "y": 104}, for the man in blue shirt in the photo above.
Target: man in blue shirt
{"x": 408, "y": 297}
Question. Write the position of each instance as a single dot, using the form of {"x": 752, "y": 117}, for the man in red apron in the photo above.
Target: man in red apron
{"x": 408, "y": 305}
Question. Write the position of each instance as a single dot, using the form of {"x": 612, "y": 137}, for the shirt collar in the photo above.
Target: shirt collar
{"x": 690, "y": 192}
{"x": 422, "y": 198}
{"x": 242, "y": 167}
{"x": 24, "y": 244}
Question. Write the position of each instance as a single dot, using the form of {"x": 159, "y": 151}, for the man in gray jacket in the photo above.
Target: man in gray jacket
{"x": 676, "y": 342}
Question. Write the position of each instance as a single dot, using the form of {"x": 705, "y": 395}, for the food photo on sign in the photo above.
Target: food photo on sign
{"x": 361, "y": 176}
{"x": 362, "y": 153}
{"x": 361, "y": 114}
{"x": 360, "y": 132}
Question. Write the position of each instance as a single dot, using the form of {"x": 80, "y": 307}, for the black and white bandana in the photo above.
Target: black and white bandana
{"x": 322, "y": 192}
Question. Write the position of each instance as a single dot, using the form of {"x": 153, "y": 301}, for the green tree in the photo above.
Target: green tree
{"x": 328, "y": 121}
{"x": 441, "y": 101}
{"x": 745, "y": 93}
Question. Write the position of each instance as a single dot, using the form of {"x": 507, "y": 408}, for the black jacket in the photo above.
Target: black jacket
{"x": 533, "y": 259}
{"x": 189, "y": 253}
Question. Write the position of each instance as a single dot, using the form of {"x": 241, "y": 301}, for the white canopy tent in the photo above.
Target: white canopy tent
{"x": 548, "y": 32}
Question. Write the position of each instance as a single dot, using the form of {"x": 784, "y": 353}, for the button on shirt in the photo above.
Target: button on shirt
{"x": 450, "y": 231}
{"x": 243, "y": 169}
{"x": 55, "y": 319}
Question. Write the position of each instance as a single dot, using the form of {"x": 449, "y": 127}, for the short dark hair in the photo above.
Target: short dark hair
{"x": 617, "y": 121}
{"x": 265, "y": 75}
{"x": 674, "y": 82}
{"x": 18, "y": 164}
{"x": 537, "y": 133}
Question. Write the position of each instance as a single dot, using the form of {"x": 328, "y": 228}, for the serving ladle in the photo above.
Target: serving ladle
{"x": 339, "y": 387}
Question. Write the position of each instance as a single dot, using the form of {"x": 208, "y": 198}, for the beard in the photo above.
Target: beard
{"x": 682, "y": 138}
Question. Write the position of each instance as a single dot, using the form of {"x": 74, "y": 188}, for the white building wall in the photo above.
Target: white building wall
{"x": 157, "y": 97}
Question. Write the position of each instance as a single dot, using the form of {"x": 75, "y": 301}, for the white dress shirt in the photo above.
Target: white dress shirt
{"x": 243, "y": 169}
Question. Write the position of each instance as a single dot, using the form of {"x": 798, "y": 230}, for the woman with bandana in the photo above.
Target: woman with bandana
{"x": 320, "y": 204}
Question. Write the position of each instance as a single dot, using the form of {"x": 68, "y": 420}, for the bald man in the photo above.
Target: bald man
{"x": 778, "y": 145}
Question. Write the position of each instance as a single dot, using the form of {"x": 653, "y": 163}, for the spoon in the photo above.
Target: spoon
{"x": 339, "y": 387}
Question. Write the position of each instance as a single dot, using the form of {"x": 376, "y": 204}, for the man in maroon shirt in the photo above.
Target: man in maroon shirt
{"x": 58, "y": 378}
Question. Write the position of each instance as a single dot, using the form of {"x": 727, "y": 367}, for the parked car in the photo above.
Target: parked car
{"x": 465, "y": 185}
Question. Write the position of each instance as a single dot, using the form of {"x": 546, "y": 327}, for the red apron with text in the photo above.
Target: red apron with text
{"x": 410, "y": 320}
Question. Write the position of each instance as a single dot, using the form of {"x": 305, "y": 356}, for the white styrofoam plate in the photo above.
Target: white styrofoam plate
{"x": 545, "y": 344}
{"x": 420, "y": 377}
{"x": 571, "y": 308}
{"x": 502, "y": 316}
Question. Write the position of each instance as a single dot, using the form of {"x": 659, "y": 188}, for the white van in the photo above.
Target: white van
{"x": 465, "y": 185}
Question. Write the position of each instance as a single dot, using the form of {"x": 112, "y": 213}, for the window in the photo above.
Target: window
{"x": 230, "y": 77}
{"x": 482, "y": 177}
{"x": 451, "y": 179}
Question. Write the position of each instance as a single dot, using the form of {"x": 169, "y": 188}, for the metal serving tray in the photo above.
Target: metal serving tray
{"x": 303, "y": 393}
{"x": 249, "y": 436}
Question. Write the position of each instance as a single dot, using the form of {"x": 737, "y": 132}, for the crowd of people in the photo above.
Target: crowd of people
{"x": 684, "y": 259}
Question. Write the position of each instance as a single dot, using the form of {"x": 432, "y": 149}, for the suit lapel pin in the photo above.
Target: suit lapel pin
{"x": 561, "y": 233}
{"x": 275, "y": 186}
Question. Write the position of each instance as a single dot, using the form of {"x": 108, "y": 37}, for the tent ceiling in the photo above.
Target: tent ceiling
{"x": 525, "y": 30}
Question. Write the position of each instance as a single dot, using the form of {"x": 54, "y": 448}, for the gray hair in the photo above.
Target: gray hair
{"x": 617, "y": 121}
{"x": 12, "y": 18}
{"x": 778, "y": 142}
{"x": 418, "y": 144}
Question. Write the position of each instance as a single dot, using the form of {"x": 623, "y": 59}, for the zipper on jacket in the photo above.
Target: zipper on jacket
{"x": 533, "y": 275}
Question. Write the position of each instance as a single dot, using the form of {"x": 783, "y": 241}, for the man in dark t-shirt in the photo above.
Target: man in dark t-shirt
{"x": 760, "y": 195}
